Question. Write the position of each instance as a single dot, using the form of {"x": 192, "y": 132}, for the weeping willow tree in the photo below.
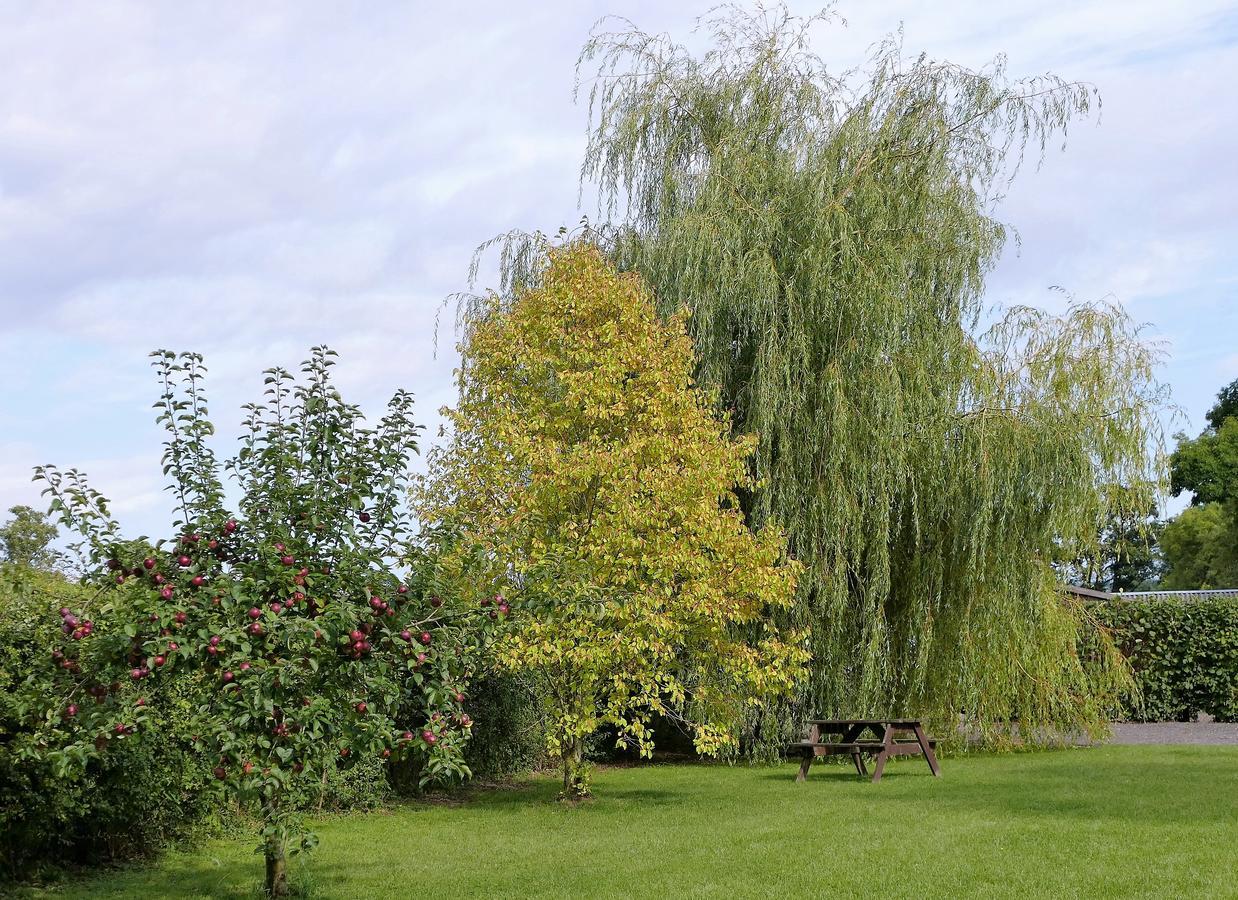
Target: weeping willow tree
{"x": 929, "y": 461}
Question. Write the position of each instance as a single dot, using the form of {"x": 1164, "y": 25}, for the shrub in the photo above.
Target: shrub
{"x": 303, "y": 627}
{"x": 124, "y": 804}
{"x": 508, "y": 734}
{"x": 1184, "y": 654}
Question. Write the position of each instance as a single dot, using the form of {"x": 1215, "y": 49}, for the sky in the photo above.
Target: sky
{"x": 249, "y": 180}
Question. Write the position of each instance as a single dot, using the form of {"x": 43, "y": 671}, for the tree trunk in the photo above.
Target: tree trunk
{"x": 575, "y": 782}
{"x": 277, "y": 875}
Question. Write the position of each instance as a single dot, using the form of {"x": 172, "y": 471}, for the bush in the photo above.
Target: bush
{"x": 508, "y": 734}
{"x": 1184, "y": 654}
{"x": 124, "y": 805}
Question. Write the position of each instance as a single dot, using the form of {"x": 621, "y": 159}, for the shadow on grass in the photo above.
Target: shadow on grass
{"x": 1178, "y": 788}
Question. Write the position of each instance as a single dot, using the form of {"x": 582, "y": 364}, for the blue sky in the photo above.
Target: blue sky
{"x": 247, "y": 180}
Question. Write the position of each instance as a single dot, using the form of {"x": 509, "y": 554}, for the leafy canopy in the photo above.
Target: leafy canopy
{"x": 302, "y": 625}
{"x": 26, "y": 539}
{"x": 830, "y": 234}
{"x": 592, "y": 480}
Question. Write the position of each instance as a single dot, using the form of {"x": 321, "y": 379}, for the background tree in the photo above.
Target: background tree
{"x": 26, "y": 539}
{"x": 1127, "y": 555}
{"x": 1201, "y": 544}
{"x": 1226, "y": 406}
{"x": 830, "y": 233}
{"x": 296, "y": 626}
{"x": 591, "y": 481}
{"x": 1200, "y": 549}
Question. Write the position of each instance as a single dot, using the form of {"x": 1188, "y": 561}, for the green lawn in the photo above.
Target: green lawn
{"x": 1104, "y": 822}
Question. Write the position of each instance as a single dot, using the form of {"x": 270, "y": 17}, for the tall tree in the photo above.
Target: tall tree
{"x": 1201, "y": 544}
{"x": 591, "y": 481}
{"x": 1127, "y": 555}
{"x": 1200, "y": 549}
{"x": 26, "y": 539}
{"x": 830, "y": 234}
{"x": 1226, "y": 406}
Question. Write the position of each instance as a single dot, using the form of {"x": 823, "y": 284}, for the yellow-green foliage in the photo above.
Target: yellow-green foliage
{"x": 591, "y": 483}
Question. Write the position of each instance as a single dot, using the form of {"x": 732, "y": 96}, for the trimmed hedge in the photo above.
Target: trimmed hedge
{"x": 1184, "y": 654}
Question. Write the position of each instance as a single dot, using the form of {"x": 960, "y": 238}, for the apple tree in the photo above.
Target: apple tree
{"x": 592, "y": 482}
{"x": 306, "y": 622}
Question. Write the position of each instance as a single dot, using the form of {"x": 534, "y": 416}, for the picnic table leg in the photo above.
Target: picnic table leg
{"x": 886, "y": 741}
{"x": 927, "y": 749}
{"x": 858, "y": 758}
{"x": 802, "y": 775}
{"x": 814, "y": 735}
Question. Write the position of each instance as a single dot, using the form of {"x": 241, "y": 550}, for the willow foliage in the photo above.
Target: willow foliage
{"x": 830, "y": 234}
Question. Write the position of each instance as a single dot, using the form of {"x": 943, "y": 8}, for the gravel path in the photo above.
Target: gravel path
{"x": 1175, "y": 733}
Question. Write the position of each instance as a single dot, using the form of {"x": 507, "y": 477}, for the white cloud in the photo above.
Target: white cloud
{"x": 250, "y": 180}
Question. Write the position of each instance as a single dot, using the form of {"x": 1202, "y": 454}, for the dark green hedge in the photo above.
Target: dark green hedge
{"x": 1184, "y": 653}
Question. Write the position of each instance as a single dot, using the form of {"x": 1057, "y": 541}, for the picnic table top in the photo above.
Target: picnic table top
{"x": 897, "y": 722}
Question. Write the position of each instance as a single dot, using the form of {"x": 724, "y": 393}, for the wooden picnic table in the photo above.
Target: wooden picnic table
{"x": 884, "y": 743}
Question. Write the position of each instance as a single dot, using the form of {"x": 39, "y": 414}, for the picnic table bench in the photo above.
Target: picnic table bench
{"x": 889, "y": 738}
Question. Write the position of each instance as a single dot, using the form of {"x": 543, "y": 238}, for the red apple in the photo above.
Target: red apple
{"x": 361, "y": 707}
{"x": 230, "y": 526}
{"x": 148, "y": 563}
{"x": 183, "y": 560}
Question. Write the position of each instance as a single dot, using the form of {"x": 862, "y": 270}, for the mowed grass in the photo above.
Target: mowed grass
{"x": 1133, "y": 821}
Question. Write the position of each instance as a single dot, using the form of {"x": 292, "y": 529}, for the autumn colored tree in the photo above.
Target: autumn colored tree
{"x": 589, "y": 479}
{"x": 300, "y": 625}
